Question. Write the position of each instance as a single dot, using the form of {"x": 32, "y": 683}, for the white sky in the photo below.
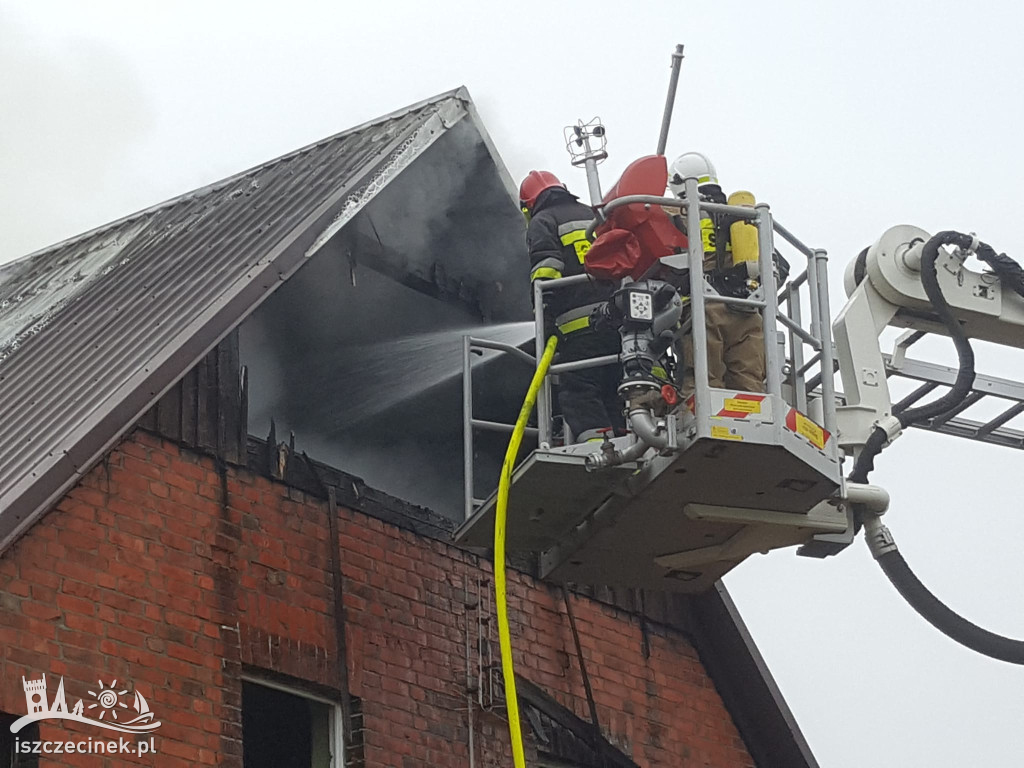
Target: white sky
{"x": 846, "y": 118}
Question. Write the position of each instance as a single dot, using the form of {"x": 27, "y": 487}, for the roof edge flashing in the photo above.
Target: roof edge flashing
{"x": 397, "y": 161}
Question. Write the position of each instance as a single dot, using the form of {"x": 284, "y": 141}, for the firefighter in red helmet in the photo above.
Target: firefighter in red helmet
{"x": 557, "y": 241}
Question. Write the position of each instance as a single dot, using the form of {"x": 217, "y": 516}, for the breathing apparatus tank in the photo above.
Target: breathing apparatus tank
{"x": 743, "y": 234}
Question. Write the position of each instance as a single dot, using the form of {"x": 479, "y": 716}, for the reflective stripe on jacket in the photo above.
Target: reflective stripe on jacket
{"x": 557, "y": 241}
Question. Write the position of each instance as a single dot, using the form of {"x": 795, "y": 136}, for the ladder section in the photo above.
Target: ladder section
{"x": 1004, "y": 395}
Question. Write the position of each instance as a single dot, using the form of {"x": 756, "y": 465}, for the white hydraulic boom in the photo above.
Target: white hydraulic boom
{"x": 885, "y": 288}
{"x": 909, "y": 279}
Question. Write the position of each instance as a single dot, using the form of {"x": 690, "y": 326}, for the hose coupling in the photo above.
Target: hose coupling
{"x": 891, "y": 425}
{"x": 878, "y": 537}
{"x": 606, "y": 457}
{"x": 973, "y": 247}
{"x": 610, "y": 456}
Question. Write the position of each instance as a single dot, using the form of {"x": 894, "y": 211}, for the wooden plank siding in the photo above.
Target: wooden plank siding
{"x": 207, "y": 408}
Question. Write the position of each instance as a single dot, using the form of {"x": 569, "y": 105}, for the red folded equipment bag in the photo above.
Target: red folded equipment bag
{"x": 634, "y": 236}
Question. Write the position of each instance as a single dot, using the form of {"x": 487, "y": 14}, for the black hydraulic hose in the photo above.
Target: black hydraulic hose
{"x": 860, "y": 266}
{"x": 941, "y": 617}
{"x": 965, "y": 355}
{"x": 880, "y": 540}
{"x": 866, "y": 459}
{"x": 1007, "y": 270}
{"x": 965, "y": 375}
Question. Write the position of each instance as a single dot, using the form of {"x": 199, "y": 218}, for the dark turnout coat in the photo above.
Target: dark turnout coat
{"x": 557, "y": 240}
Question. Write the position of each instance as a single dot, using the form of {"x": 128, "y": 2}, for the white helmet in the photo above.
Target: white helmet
{"x": 691, "y": 165}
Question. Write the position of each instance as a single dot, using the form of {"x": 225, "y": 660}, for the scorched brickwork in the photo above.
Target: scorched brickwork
{"x": 169, "y": 571}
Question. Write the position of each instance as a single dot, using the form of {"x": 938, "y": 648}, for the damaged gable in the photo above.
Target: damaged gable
{"x": 95, "y": 329}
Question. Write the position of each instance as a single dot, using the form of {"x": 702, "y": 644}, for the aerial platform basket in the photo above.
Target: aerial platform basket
{"x": 743, "y": 483}
{"x": 745, "y": 473}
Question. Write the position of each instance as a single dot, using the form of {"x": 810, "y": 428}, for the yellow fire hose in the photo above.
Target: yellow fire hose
{"x": 500, "y": 513}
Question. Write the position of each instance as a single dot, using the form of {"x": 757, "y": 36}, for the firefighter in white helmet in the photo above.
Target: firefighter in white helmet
{"x": 735, "y": 336}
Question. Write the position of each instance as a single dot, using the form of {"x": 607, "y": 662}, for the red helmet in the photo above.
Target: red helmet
{"x": 535, "y": 183}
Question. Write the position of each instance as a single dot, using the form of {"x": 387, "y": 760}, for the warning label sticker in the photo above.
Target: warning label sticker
{"x": 741, "y": 405}
{"x": 797, "y": 422}
{"x": 724, "y": 433}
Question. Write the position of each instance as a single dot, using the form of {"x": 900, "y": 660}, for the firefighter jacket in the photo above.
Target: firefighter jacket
{"x": 557, "y": 240}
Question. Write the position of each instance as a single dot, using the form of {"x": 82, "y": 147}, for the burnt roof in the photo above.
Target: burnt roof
{"x": 94, "y": 329}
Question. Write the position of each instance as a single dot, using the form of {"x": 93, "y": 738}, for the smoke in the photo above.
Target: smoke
{"x": 449, "y": 223}
{"x": 369, "y": 377}
{"x": 401, "y": 425}
{"x": 55, "y": 184}
{"x": 360, "y": 352}
{"x": 520, "y": 153}
{"x": 416, "y": 469}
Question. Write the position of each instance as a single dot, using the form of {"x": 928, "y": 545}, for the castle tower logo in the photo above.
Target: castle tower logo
{"x": 35, "y": 695}
{"x": 108, "y": 710}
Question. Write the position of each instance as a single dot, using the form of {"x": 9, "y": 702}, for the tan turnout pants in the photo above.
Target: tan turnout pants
{"x": 735, "y": 351}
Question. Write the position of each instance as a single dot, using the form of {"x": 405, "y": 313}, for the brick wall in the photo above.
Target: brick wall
{"x": 164, "y": 571}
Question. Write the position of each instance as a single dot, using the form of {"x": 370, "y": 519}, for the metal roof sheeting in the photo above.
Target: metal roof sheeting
{"x": 94, "y": 329}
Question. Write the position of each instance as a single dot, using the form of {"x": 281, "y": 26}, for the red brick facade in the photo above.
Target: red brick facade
{"x": 163, "y": 571}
